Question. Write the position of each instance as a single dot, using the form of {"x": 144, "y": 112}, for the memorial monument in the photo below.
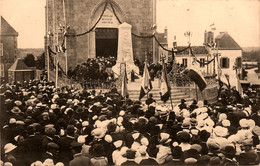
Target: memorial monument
{"x": 101, "y": 41}
{"x": 125, "y": 50}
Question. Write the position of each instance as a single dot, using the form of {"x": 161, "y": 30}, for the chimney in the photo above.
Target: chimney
{"x": 174, "y": 43}
{"x": 210, "y": 37}
{"x": 205, "y": 38}
{"x": 165, "y": 32}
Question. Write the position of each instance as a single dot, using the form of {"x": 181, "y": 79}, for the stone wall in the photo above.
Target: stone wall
{"x": 80, "y": 16}
{"x": 9, "y": 54}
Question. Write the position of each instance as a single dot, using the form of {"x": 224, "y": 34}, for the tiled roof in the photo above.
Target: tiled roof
{"x": 195, "y": 50}
{"x": 161, "y": 38}
{"x": 226, "y": 42}
{"x": 6, "y": 28}
{"x": 19, "y": 65}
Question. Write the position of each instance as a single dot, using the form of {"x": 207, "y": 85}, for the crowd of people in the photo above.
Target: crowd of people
{"x": 49, "y": 126}
{"x": 93, "y": 69}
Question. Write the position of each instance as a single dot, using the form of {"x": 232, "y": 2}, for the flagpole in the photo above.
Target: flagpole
{"x": 65, "y": 26}
{"x": 196, "y": 88}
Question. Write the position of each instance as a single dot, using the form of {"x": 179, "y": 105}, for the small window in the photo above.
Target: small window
{"x": 2, "y": 70}
{"x": 202, "y": 62}
{"x": 184, "y": 62}
{"x": 224, "y": 62}
{"x": 239, "y": 62}
{"x": 1, "y": 49}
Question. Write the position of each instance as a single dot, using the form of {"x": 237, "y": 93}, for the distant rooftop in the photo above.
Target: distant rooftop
{"x": 19, "y": 65}
{"x": 195, "y": 50}
{"x": 226, "y": 42}
{"x": 6, "y": 28}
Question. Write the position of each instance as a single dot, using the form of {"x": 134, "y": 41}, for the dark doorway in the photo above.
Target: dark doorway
{"x": 106, "y": 42}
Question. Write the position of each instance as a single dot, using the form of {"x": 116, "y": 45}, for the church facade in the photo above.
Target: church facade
{"x": 91, "y": 28}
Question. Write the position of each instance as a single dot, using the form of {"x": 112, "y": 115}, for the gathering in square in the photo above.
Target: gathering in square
{"x": 109, "y": 89}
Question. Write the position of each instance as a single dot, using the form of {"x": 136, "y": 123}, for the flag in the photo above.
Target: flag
{"x": 165, "y": 89}
{"x": 146, "y": 85}
{"x": 239, "y": 87}
{"x": 212, "y": 27}
{"x": 124, "y": 91}
{"x": 221, "y": 77}
{"x": 195, "y": 75}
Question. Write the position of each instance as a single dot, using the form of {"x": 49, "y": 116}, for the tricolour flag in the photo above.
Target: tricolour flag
{"x": 195, "y": 75}
{"x": 146, "y": 85}
{"x": 165, "y": 89}
{"x": 221, "y": 77}
{"x": 124, "y": 90}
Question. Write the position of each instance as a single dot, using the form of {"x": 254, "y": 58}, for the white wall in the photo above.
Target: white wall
{"x": 232, "y": 55}
{"x": 179, "y": 58}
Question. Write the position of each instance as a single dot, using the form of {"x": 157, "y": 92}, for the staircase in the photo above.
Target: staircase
{"x": 176, "y": 94}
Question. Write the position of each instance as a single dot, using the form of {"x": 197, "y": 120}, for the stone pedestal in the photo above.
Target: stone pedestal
{"x": 125, "y": 50}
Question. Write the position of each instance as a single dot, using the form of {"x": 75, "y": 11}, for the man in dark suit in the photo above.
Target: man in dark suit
{"x": 152, "y": 152}
{"x": 51, "y": 153}
{"x": 130, "y": 155}
{"x": 79, "y": 158}
{"x": 150, "y": 99}
{"x": 65, "y": 145}
{"x": 32, "y": 146}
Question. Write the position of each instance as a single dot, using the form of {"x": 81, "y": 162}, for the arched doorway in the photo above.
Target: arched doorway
{"x": 104, "y": 40}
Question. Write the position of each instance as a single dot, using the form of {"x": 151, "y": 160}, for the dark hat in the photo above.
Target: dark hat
{"x": 75, "y": 144}
{"x": 130, "y": 154}
{"x": 30, "y": 129}
{"x": 183, "y": 100}
{"x": 98, "y": 149}
{"x": 183, "y": 136}
{"x": 214, "y": 161}
{"x": 52, "y": 145}
{"x": 229, "y": 150}
{"x": 204, "y": 135}
{"x": 152, "y": 150}
{"x": 204, "y": 160}
{"x": 111, "y": 127}
{"x": 191, "y": 153}
{"x": 70, "y": 129}
{"x": 153, "y": 119}
{"x": 176, "y": 152}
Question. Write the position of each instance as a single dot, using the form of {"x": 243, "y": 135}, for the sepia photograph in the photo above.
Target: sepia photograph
{"x": 129, "y": 82}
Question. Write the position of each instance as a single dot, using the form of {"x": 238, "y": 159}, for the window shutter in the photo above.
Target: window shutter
{"x": 1, "y": 49}
{"x": 227, "y": 62}
{"x": 221, "y": 62}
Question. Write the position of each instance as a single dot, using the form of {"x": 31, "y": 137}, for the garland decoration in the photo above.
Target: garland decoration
{"x": 205, "y": 63}
{"x": 92, "y": 28}
{"x": 112, "y": 7}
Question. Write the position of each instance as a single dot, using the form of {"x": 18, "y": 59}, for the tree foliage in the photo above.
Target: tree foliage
{"x": 29, "y": 60}
{"x": 40, "y": 62}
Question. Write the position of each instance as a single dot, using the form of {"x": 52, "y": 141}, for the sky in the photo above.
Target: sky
{"x": 240, "y": 18}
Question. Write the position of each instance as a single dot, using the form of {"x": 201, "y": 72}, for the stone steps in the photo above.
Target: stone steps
{"x": 176, "y": 95}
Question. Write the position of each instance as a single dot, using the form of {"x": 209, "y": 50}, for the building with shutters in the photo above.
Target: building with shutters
{"x": 8, "y": 48}
{"x": 230, "y": 56}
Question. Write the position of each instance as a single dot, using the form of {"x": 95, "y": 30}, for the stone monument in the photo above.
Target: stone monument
{"x": 125, "y": 50}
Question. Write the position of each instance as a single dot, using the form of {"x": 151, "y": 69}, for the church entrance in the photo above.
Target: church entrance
{"x": 106, "y": 42}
